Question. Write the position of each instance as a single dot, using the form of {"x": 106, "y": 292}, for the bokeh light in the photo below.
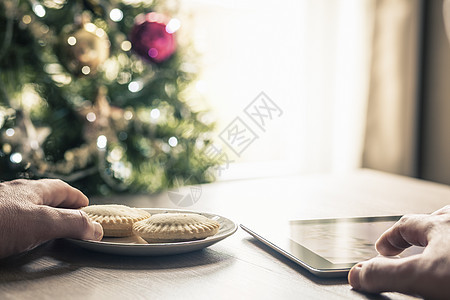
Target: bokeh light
{"x": 10, "y": 132}
{"x": 125, "y": 46}
{"x": 134, "y": 86}
{"x": 26, "y": 19}
{"x": 116, "y": 15}
{"x": 85, "y": 70}
{"x": 173, "y": 141}
{"x": 155, "y": 113}
{"x": 71, "y": 40}
{"x": 16, "y": 158}
{"x": 173, "y": 25}
{"x": 128, "y": 115}
{"x": 102, "y": 142}
{"x": 153, "y": 52}
{"x": 90, "y": 27}
{"x": 39, "y": 10}
{"x": 91, "y": 117}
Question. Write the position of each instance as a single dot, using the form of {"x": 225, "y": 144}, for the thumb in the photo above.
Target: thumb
{"x": 70, "y": 223}
{"x": 383, "y": 274}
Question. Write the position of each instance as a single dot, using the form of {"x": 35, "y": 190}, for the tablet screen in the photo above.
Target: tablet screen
{"x": 339, "y": 242}
{"x": 327, "y": 247}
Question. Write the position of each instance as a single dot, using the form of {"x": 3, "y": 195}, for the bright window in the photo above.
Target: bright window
{"x": 310, "y": 57}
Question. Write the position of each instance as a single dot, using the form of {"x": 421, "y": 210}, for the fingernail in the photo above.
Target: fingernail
{"x": 353, "y": 276}
{"x": 98, "y": 233}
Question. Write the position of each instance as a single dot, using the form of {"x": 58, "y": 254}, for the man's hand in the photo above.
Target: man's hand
{"x": 36, "y": 211}
{"x": 426, "y": 274}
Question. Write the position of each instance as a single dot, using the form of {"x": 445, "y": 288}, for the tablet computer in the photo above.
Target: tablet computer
{"x": 327, "y": 247}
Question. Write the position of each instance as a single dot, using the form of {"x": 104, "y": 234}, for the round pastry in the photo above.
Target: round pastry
{"x": 175, "y": 227}
{"x": 116, "y": 220}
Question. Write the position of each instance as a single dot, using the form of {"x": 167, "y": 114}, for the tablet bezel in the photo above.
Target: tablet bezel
{"x": 308, "y": 259}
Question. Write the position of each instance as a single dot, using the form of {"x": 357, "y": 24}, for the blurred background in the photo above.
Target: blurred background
{"x": 361, "y": 83}
{"x": 351, "y": 83}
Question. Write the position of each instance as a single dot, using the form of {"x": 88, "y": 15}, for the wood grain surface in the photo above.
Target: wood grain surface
{"x": 238, "y": 267}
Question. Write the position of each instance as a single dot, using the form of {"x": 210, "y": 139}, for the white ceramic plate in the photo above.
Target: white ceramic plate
{"x": 137, "y": 246}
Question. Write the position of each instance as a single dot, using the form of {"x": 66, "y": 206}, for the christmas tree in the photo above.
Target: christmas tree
{"x": 96, "y": 93}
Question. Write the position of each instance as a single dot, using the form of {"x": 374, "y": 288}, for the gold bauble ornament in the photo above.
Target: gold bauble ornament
{"x": 87, "y": 48}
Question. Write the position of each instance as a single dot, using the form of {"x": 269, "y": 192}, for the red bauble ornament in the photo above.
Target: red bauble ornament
{"x": 151, "y": 39}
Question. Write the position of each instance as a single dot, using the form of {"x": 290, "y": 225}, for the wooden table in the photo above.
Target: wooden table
{"x": 238, "y": 267}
